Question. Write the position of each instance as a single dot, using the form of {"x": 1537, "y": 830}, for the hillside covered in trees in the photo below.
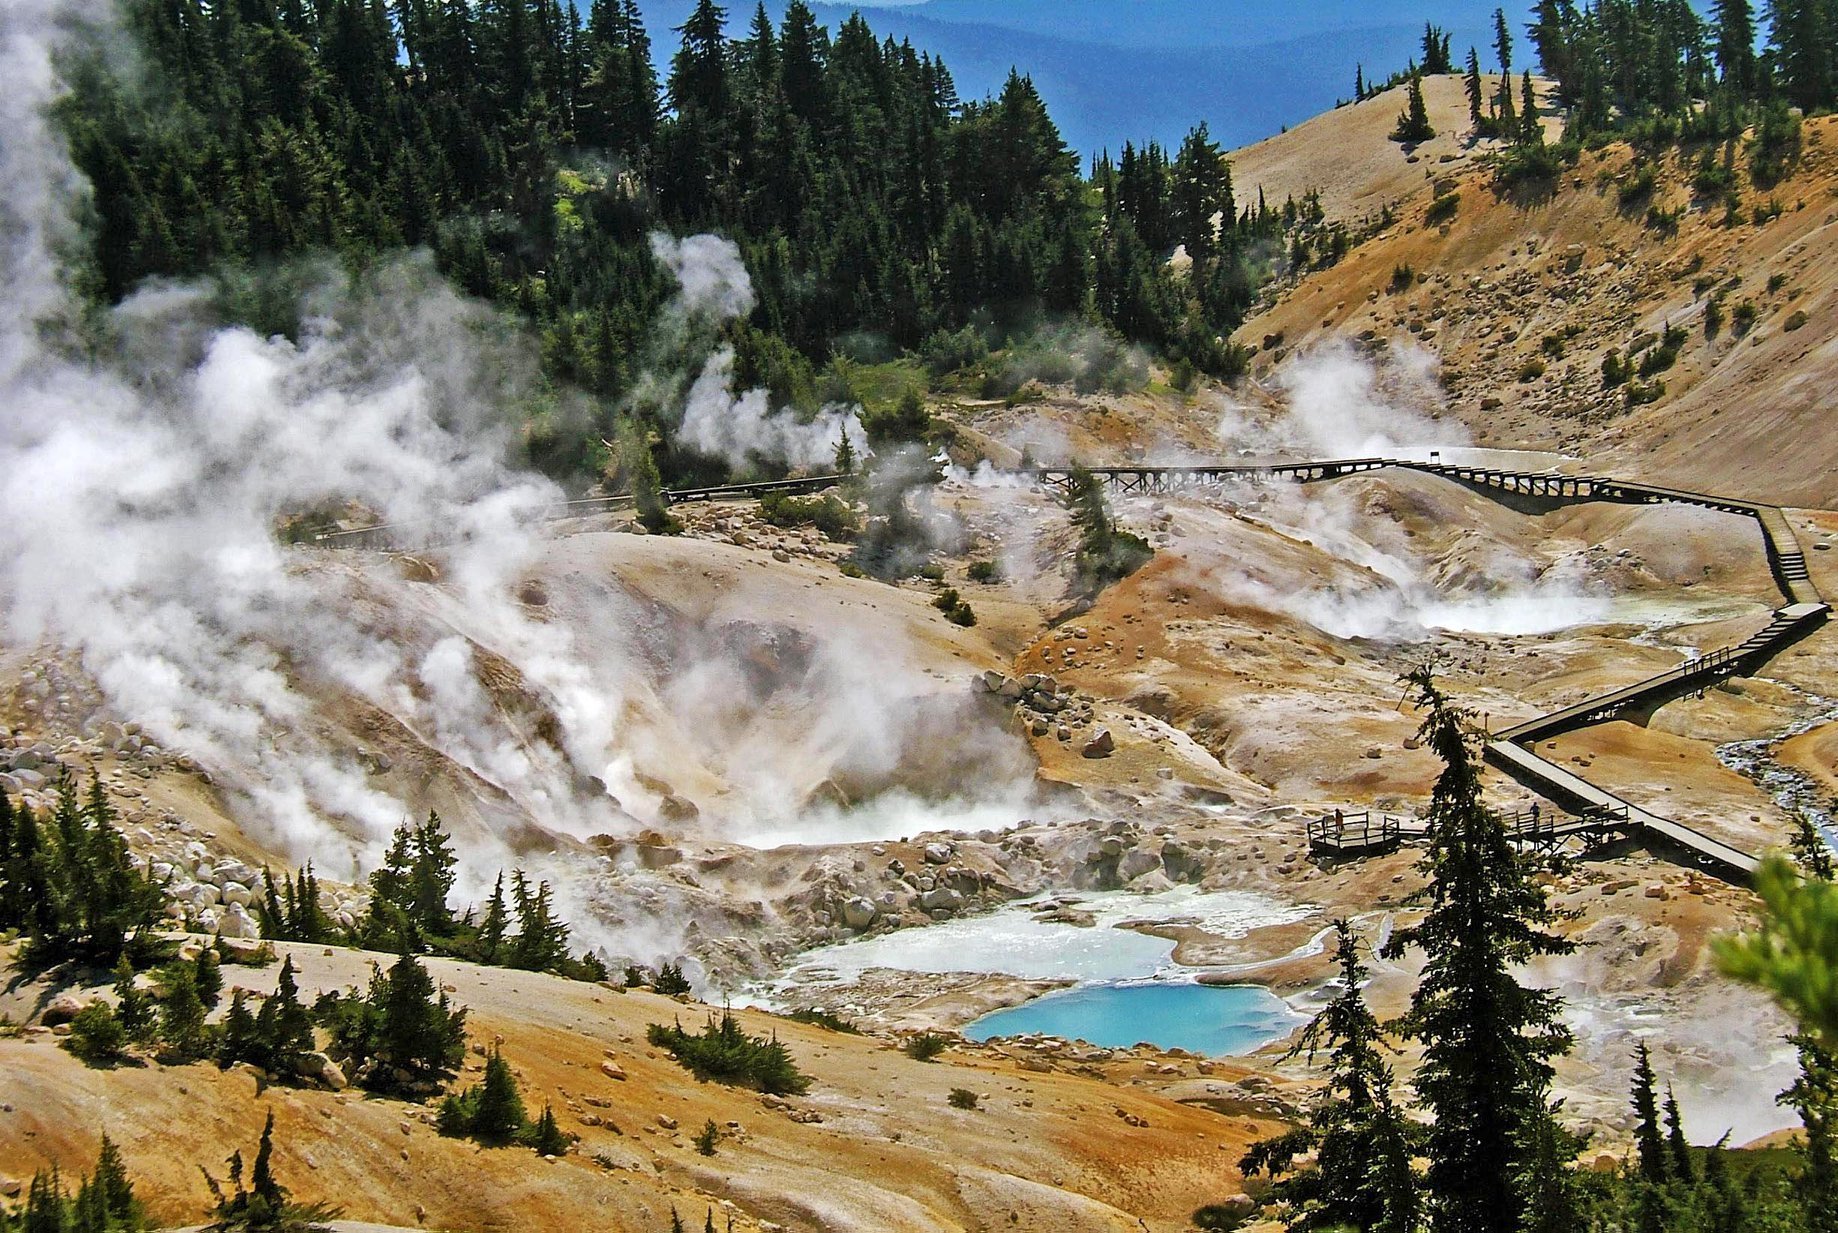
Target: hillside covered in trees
{"x": 532, "y": 148}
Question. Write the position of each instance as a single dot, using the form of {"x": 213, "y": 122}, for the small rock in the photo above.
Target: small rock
{"x": 1100, "y": 746}
{"x": 612, "y": 1070}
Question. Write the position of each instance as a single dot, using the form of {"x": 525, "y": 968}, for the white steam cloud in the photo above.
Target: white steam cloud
{"x": 1340, "y": 404}
{"x": 741, "y": 429}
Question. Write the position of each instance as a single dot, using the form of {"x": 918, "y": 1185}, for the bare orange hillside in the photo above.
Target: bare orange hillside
{"x": 874, "y": 1145}
{"x": 1520, "y": 297}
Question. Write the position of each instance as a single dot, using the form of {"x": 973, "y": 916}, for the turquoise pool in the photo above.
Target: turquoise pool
{"x": 1207, "y": 1019}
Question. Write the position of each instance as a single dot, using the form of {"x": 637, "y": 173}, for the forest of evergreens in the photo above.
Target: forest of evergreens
{"x": 533, "y": 148}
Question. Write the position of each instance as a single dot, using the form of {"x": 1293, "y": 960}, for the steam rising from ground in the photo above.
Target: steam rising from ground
{"x": 140, "y": 491}
{"x": 739, "y": 428}
{"x": 1340, "y": 404}
{"x": 1393, "y": 591}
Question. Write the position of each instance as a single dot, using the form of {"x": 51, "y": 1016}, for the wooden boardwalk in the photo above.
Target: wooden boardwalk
{"x": 1804, "y": 611}
{"x": 1349, "y": 836}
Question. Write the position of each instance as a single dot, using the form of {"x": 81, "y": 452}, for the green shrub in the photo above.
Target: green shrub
{"x": 1766, "y": 212}
{"x": 945, "y": 352}
{"x": 946, "y": 600}
{"x": 983, "y": 571}
{"x": 1442, "y": 208}
{"x": 545, "y": 1137}
{"x": 926, "y": 1046}
{"x": 1776, "y": 281}
{"x": 1664, "y": 221}
{"x": 1218, "y": 1218}
{"x": 833, "y": 516}
{"x": 1637, "y": 189}
{"x": 1743, "y": 317}
{"x": 962, "y": 1098}
{"x": 1533, "y": 166}
{"x": 490, "y": 1111}
{"x": 1795, "y": 320}
{"x": 1553, "y": 346}
{"x": 1713, "y": 179}
{"x": 1713, "y": 316}
{"x": 961, "y": 614}
{"x": 1639, "y": 393}
{"x": 932, "y": 571}
{"x": 1531, "y": 370}
{"x": 1774, "y": 147}
{"x": 96, "y": 1036}
{"x": 708, "y": 1137}
{"x": 724, "y": 1053}
{"x": 1614, "y": 369}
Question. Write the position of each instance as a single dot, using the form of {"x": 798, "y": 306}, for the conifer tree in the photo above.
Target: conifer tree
{"x": 541, "y": 944}
{"x": 207, "y": 976}
{"x": 1531, "y": 132}
{"x": 401, "y": 1037}
{"x": 1362, "y": 1176}
{"x": 1471, "y": 83}
{"x": 545, "y": 1136}
{"x": 492, "y": 1110}
{"x": 1648, "y": 1137}
{"x": 133, "y": 1007}
{"x": 1487, "y": 1039}
{"x": 11, "y": 915}
{"x": 497, "y": 921}
{"x": 182, "y": 1026}
{"x": 1414, "y": 121}
{"x": 239, "y": 1041}
{"x": 640, "y": 467}
{"x": 845, "y": 454}
{"x": 1735, "y": 45}
{"x": 1678, "y": 1151}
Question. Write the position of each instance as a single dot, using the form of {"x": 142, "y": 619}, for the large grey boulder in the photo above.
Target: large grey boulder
{"x": 942, "y": 898}
{"x": 859, "y": 912}
{"x": 1137, "y": 862}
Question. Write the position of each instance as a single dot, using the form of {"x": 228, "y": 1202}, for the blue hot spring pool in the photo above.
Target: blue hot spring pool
{"x": 1207, "y": 1019}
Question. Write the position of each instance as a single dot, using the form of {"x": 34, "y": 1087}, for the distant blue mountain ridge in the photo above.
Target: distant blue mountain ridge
{"x": 1134, "y": 70}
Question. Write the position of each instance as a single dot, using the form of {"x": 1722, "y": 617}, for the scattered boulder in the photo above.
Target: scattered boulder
{"x": 63, "y": 1008}
{"x": 237, "y": 923}
{"x": 859, "y": 912}
{"x": 938, "y": 853}
{"x": 1100, "y": 746}
{"x": 1137, "y": 862}
{"x": 942, "y": 899}
{"x": 612, "y": 1070}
